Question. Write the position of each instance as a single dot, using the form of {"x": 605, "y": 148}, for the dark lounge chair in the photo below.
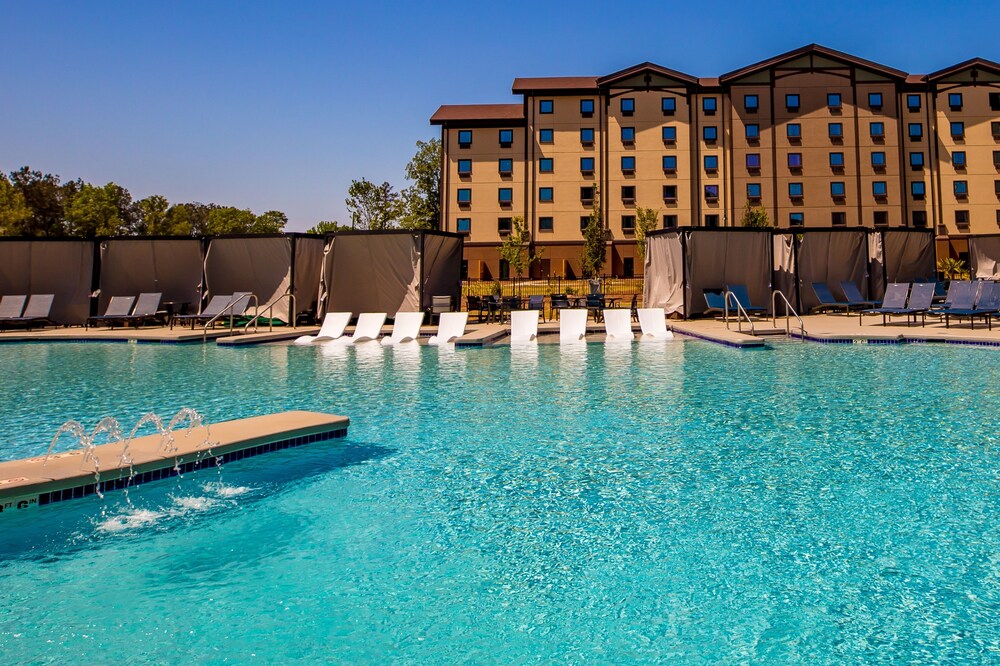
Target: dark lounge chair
{"x": 11, "y": 307}
{"x": 961, "y": 293}
{"x": 967, "y": 305}
{"x": 146, "y": 308}
{"x": 439, "y": 304}
{"x": 537, "y": 303}
{"x": 828, "y": 302}
{"x": 475, "y": 304}
{"x": 558, "y": 302}
{"x": 221, "y": 306}
{"x": 896, "y": 303}
{"x": 742, "y": 296}
{"x": 118, "y": 308}
{"x": 715, "y": 301}
{"x": 37, "y": 311}
{"x": 853, "y": 295}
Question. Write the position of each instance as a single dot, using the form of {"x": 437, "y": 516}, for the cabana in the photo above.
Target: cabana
{"x": 171, "y": 266}
{"x": 64, "y": 268}
{"x": 900, "y": 255}
{"x": 830, "y": 256}
{"x": 984, "y": 256}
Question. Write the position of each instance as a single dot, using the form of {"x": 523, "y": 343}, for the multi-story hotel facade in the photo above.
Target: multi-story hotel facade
{"x": 816, "y": 137}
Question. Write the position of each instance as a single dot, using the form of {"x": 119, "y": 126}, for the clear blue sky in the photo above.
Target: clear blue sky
{"x": 279, "y": 105}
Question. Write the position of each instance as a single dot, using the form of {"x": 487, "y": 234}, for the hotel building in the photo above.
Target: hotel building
{"x": 816, "y": 137}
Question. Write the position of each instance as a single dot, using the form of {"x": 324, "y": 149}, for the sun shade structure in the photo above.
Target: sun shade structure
{"x": 984, "y": 257}
{"x": 169, "y": 266}
{"x": 63, "y": 268}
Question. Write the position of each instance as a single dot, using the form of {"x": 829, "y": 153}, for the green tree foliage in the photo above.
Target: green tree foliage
{"x": 14, "y": 211}
{"x": 516, "y": 247}
{"x": 372, "y": 207}
{"x": 594, "y": 241}
{"x": 420, "y": 203}
{"x": 46, "y": 198}
{"x": 99, "y": 211}
{"x": 754, "y": 216}
{"x": 328, "y": 227}
{"x": 229, "y": 220}
{"x": 645, "y": 221}
{"x": 152, "y": 214}
{"x": 270, "y": 222}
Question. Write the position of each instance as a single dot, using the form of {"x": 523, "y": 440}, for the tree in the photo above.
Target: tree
{"x": 99, "y": 211}
{"x": 594, "y": 240}
{"x": 372, "y": 207}
{"x": 14, "y": 211}
{"x": 754, "y": 216}
{"x": 328, "y": 227}
{"x": 152, "y": 213}
{"x": 420, "y": 203}
{"x": 515, "y": 248}
{"x": 229, "y": 220}
{"x": 46, "y": 199}
{"x": 270, "y": 222}
{"x": 645, "y": 221}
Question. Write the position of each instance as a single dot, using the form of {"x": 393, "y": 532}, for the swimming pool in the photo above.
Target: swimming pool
{"x": 681, "y": 502}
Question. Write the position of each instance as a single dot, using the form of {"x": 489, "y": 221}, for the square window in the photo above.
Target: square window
{"x": 670, "y": 163}
{"x": 878, "y": 160}
{"x": 506, "y": 195}
{"x": 584, "y": 222}
{"x": 996, "y": 187}
{"x": 961, "y": 188}
{"x": 795, "y": 190}
{"x": 587, "y": 136}
{"x": 628, "y": 193}
{"x": 669, "y": 134}
{"x": 708, "y": 105}
{"x": 753, "y": 190}
{"x": 920, "y": 219}
{"x": 506, "y": 167}
{"x": 587, "y": 195}
{"x": 995, "y": 101}
{"x": 838, "y": 190}
{"x": 881, "y": 218}
{"x": 545, "y": 194}
{"x": 752, "y": 132}
{"x": 545, "y": 106}
{"x": 628, "y": 222}
{"x": 913, "y": 103}
{"x": 670, "y": 193}
{"x": 915, "y": 130}
{"x": 793, "y": 131}
{"x": 669, "y": 221}
{"x": 503, "y": 225}
{"x": 546, "y": 136}
{"x": 506, "y": 138}
{"x": 464, "y": 225}
{"x": 628, "y": 135}
{"x": 792, "y": 103}
{"x": 711, "y": 220}
{"x": 751, "y": 103}
{"x": 465, "y": 167}
{"x": 835, "y": 130}
{"x": 995, "y": 129}
{"x": 957, "y": 130}
{"x": 464, "y": 195}
{"x": 668, "y": 105}
{"x": 838, "y": 218}
{"x": 628, "y": 106}
{"x": 875, "y": 101}
{"x": 464, "y": 138}
{"x": 833, "y": 100}
{"x": 955, "y": 101}
{"x": 586, "y": 108}
{"x": 545, "y": 165}
{"x": 796, "y": 219}
{"x": 794, "y": 160}
{"x": 710, "y": 133}
{"x": 918, "y": 189}
{"x": 711, "y": 192}
{"x": 958, "y": 159}
{"x": 876, "y": 130}
{"x": 962, "y": 218}
{"x": 711, "y": 163}
{"x": 753, "y": 160}
{"x": 545, "y": 224}
{"x": 587, "y": 164}
{"x": 917, "y": 160}
{"x": 880, "y": 188}
{"x": 996, "y": 158}
{"x": 628, "y": 164}
{"x": 837, "y": 160}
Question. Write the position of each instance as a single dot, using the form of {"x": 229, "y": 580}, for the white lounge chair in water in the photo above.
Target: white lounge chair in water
{"x": 333, "y": 327}
{"x": 572, "y": 325}
{"x": 618, "y": 325}
{"x": 450, "y": 328}
{"x": 654, "y": 324}
{"x": 405, "y": 328}
{"x": 523, "y": 325}
{"x": 369, "y": 327}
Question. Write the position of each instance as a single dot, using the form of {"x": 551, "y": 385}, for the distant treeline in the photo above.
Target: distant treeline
{"x": 37, "y": 204}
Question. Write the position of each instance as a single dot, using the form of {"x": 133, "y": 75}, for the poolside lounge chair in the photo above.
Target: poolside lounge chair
{"x": 11, "y": 307}
{"x": 146, "y": 308}
{"x": 853, "y": 295}
{"x": 37, "y": 311}
{"x": 654, "y": 324}
{"x": 450, "y": 328}
{"x": 223, "y": 306}
{"x": 828, "y": 302}
{"x": 368, "y": 327}
{"x": 118, "y": 308}
{"x": 618, "y": 325}
{"x": 523, "y": 325}
{"x": 333, "y": 327}
{"x": 967, "y": 306}
{"x": 740, "y": 293}
{"x": 919, "y": 302}
{"x": 715, "y": 301}
{"x": 961, "y": 293}
{"x": 572, "y": 325}
{"x": 405, "y": 328}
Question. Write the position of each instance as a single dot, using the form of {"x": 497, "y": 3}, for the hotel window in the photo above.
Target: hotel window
{"x": 918, "y": 189}
{"x": 587, "y": 136}
{"x": 587, "y": 195}
{"x": 920, "y": 219}
{"x": 669, "y": 221}
{"x": 546, "y": 136}
{"x": 628, "y": 223}
{"x": 917, "y": 160}
{"x": 670, "y": 193}
{"x": 710, "y": 133}
{"x": 464, "y": 138}
{"x": 838, "y": 190}
{"x": 465, "y": 167}
{"x": 464, "y": 195}
{"x": 833, "y": 100}
{"x": 996, "y": 187}
{"x": 669, "y": 134}
{"x": 545, "y": 224}
{"x": 876, "y": 130}
{"x": 628, "y": 106}
{"x": 837, "y": 160}
{"x": 711, "y": 220}
{"x": 752, "y": 132}
{"x": 711, "y": 163}
{"x": 545, "y": 194}
{"x": 996, "y": 158}
{"x": 962, "y": 218}
{"x": 792, "y": 103}
{"x": 794, "y": 160}
{"x": 628, "y": 135}
{"x": 753, "y": 190}
{"x": 916, "y": 131}
{"x": 753, "y": 161}
{"x": 670, "y": 163}
{"x": 880, "y": 218}
{"x": 955, "y": 101}
{"x": 878, "y": 160}
{"x": 875, "y": 101}
{"x": 796, "y": 219}
{"x": 586, "y": 108}
{"x": 628, "y": 193}
{"x": 913, "y": 103}
{"x": 835, "y": 130}
{"x": 751, "y": 103}
{"x": 795, "y": 190}
{"x": 961, "y": 188}
{"x": 995, "y": 129}
{"x": 793, "y": 131}
{"x": 506, "y": 138}
{"x": 958, "y": 159}
{"x": 879, "y": 188}
{"x": 628, "y": 164}
{"x": 545, "y": 106}
{"x": 957, "y": 130}
{"x": 995, "y": 101}
{"x": 587, "y": 164}
{"x": 545, "y": 165}
{"x": 503, "y": 225}
{"x": 506, "y": 195}
{"x": 506, "y": 167}
{"x": 838, "y": 218}
{"x": 584, "y": 222}
{"x": 464, "y": 225}
{"x": 711, "y": 192}
{"x": 668, "y": 105}
{"x": 708, "y": 105}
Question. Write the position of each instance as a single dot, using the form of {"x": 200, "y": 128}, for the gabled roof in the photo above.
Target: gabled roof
{"x": 813, "y": 49}
{"x": 538, "y": 83}
{"x": 645, "y": 68}
{"x": 477, "y": 112}
{"x": 974, "y": 63}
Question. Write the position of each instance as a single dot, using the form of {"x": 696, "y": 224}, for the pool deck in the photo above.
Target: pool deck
{"x": 70, "y": 475}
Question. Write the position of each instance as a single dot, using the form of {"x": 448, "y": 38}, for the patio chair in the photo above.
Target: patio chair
{"x": 896, "y": 303}
{"x": 558, "y": 302}
{"x": 475, "y": 304}
{"x": 229, "y": 305}
{"x": 118, "y": 308}
{"x": 537, "y": 303}
{"x": 595, "y": 304}
{"x": 634, "y": 307}
{"x": 37, "y": 311}
{"x": 961, "y": 293}
{"x": 11, "y": 307}
{"x": 507, "y": 305}
{"x": 523, "y": 326}
{"x": 368, "y": 327}
{"x": 450, "y": 328}
{"x": 853, "y": 295}
{"x": 653, "y": 322}
{"x": 333, "y": 327}
{"x": 439, "y": 305}
{"x": 146, "y": 308}
{"x": 828, "y": 302}
{"x": 405, "y": 328}
{"x": 742, "y": 296}
{"x": 618, "y": 325}
{"x": 572, "y": 326}
{"x": 967, "y": 306}
{"x": 715, "y": 301}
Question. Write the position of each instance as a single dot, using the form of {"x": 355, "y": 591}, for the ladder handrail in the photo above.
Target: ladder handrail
{"x": 269, "y": 308}
{"x": 739, "y": 311}
{"x": 788, "y": 309}
{"x": 229, "y": 308}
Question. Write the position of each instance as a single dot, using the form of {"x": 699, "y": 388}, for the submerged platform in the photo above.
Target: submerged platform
{"x": 70, "y": 475}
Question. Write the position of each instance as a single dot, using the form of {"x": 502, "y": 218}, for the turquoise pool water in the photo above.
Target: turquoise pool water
{"x": 678, "y": 502}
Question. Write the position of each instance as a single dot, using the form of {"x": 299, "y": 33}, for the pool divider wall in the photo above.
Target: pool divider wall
{"x": 68, "y": 475}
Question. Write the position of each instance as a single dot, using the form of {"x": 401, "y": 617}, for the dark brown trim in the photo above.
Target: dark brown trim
{"x": 904, "y": 163}
{"x": 857, "y": 149}
{"x": 694, "y": 122}
{"x": 774, "y": 150}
